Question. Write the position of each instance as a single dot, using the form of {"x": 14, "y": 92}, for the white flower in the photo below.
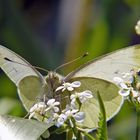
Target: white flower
{"x": 69, "y": 86}
{"x": 60, "y": 120}
{"x": 79, "y": 117}
{"x": 125, "y": 90}
{"x": 69, "y": 107}
{"x": 76, "y": 84}
{"x": 120, "y": 82}
{"x": 51, "y": 118}
{"x": 37, "y": 108}
{"x": 137, "y": 27}
{"x": 68, "y": 114}
{"x": 129, "y": 85}
{"x": 82, "y": 96}
{"x": 41, "y": 108}
{"x": 52, "y": 105}
{"x": 129, "y": 76}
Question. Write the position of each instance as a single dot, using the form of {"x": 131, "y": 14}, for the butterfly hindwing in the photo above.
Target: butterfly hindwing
{"x": 109, "y": 94}
{"x": 31, "y": 89}
{"x": 30, "y": 83}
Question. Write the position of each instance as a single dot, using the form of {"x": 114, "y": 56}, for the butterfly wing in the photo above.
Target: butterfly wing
{"x": 109, "y": 94}
{"x": 97, "y": 75}
{"x": 29, "y": 81}
{"x": 110, "y": 65}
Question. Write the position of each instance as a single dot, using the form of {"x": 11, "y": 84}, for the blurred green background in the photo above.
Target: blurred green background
{"x": 48, "y": 33}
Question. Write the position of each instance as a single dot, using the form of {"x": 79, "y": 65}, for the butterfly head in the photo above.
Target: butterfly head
{"x": 53, "y": 80}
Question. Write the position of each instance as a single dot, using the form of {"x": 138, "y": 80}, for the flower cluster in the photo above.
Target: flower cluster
{"x": 52, "y": 112}
{"x": 41, "y": 108}
{"x": 129, "y": 85}
{"x": 67, "y": 117}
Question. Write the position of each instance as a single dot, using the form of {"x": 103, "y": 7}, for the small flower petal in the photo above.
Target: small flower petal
{"x": 37, "y": 108}
{"x": 59, "y": 88}
{"x": 73, "y": 96}
{"x": 79, "y": 117}
{"x": 31, "y": 115}
{"x": 123, "y": 85}
{"x": 56, "y": 109}
{"x": 124, "y": 93}
{"x": 70, "y": 88}
{"x": 76, "y": 84}
{"x": 87, "y": 94}
{"x": 128, "y": 77}
{"x": 50, "y": 102}
{"x": 56, "y": 103}
{"x": 118, "y": 80}
{"x": 74, "y": 111}
{"x": 61, "y": 119}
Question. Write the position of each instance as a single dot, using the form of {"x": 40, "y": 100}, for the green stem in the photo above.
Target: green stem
{"x": 75, "y": 131}
{"x": 90, "y": 137}
{"x": 138, "y": 125}
{"x": 69, "y": 135}
{"x": 86, "y": 134}
{"x": 79, "y": 103}
{"x": 79, "y": 136}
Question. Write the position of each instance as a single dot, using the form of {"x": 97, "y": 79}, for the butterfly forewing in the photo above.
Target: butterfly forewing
{"x": 15, "y": 71}
{"x": 111, "y": 65}
{"x": 30, "y": 83}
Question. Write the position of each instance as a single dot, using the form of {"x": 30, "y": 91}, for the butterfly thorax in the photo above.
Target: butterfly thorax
{"x": 53, "y": 80}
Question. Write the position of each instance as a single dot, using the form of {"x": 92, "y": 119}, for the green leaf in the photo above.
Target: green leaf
{"x": 102, "y": 126}
{"x": 12, "y": 128}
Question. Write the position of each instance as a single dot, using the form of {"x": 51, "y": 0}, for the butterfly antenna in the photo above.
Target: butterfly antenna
{"x": 85, "y": 54}
{"x": 39, "y": 68}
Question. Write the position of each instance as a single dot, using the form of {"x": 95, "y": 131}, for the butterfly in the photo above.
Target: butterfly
{"x": 96, "y": 75}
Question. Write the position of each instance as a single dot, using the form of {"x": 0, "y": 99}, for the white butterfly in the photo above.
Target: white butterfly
{"x": 96, "y": 75}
